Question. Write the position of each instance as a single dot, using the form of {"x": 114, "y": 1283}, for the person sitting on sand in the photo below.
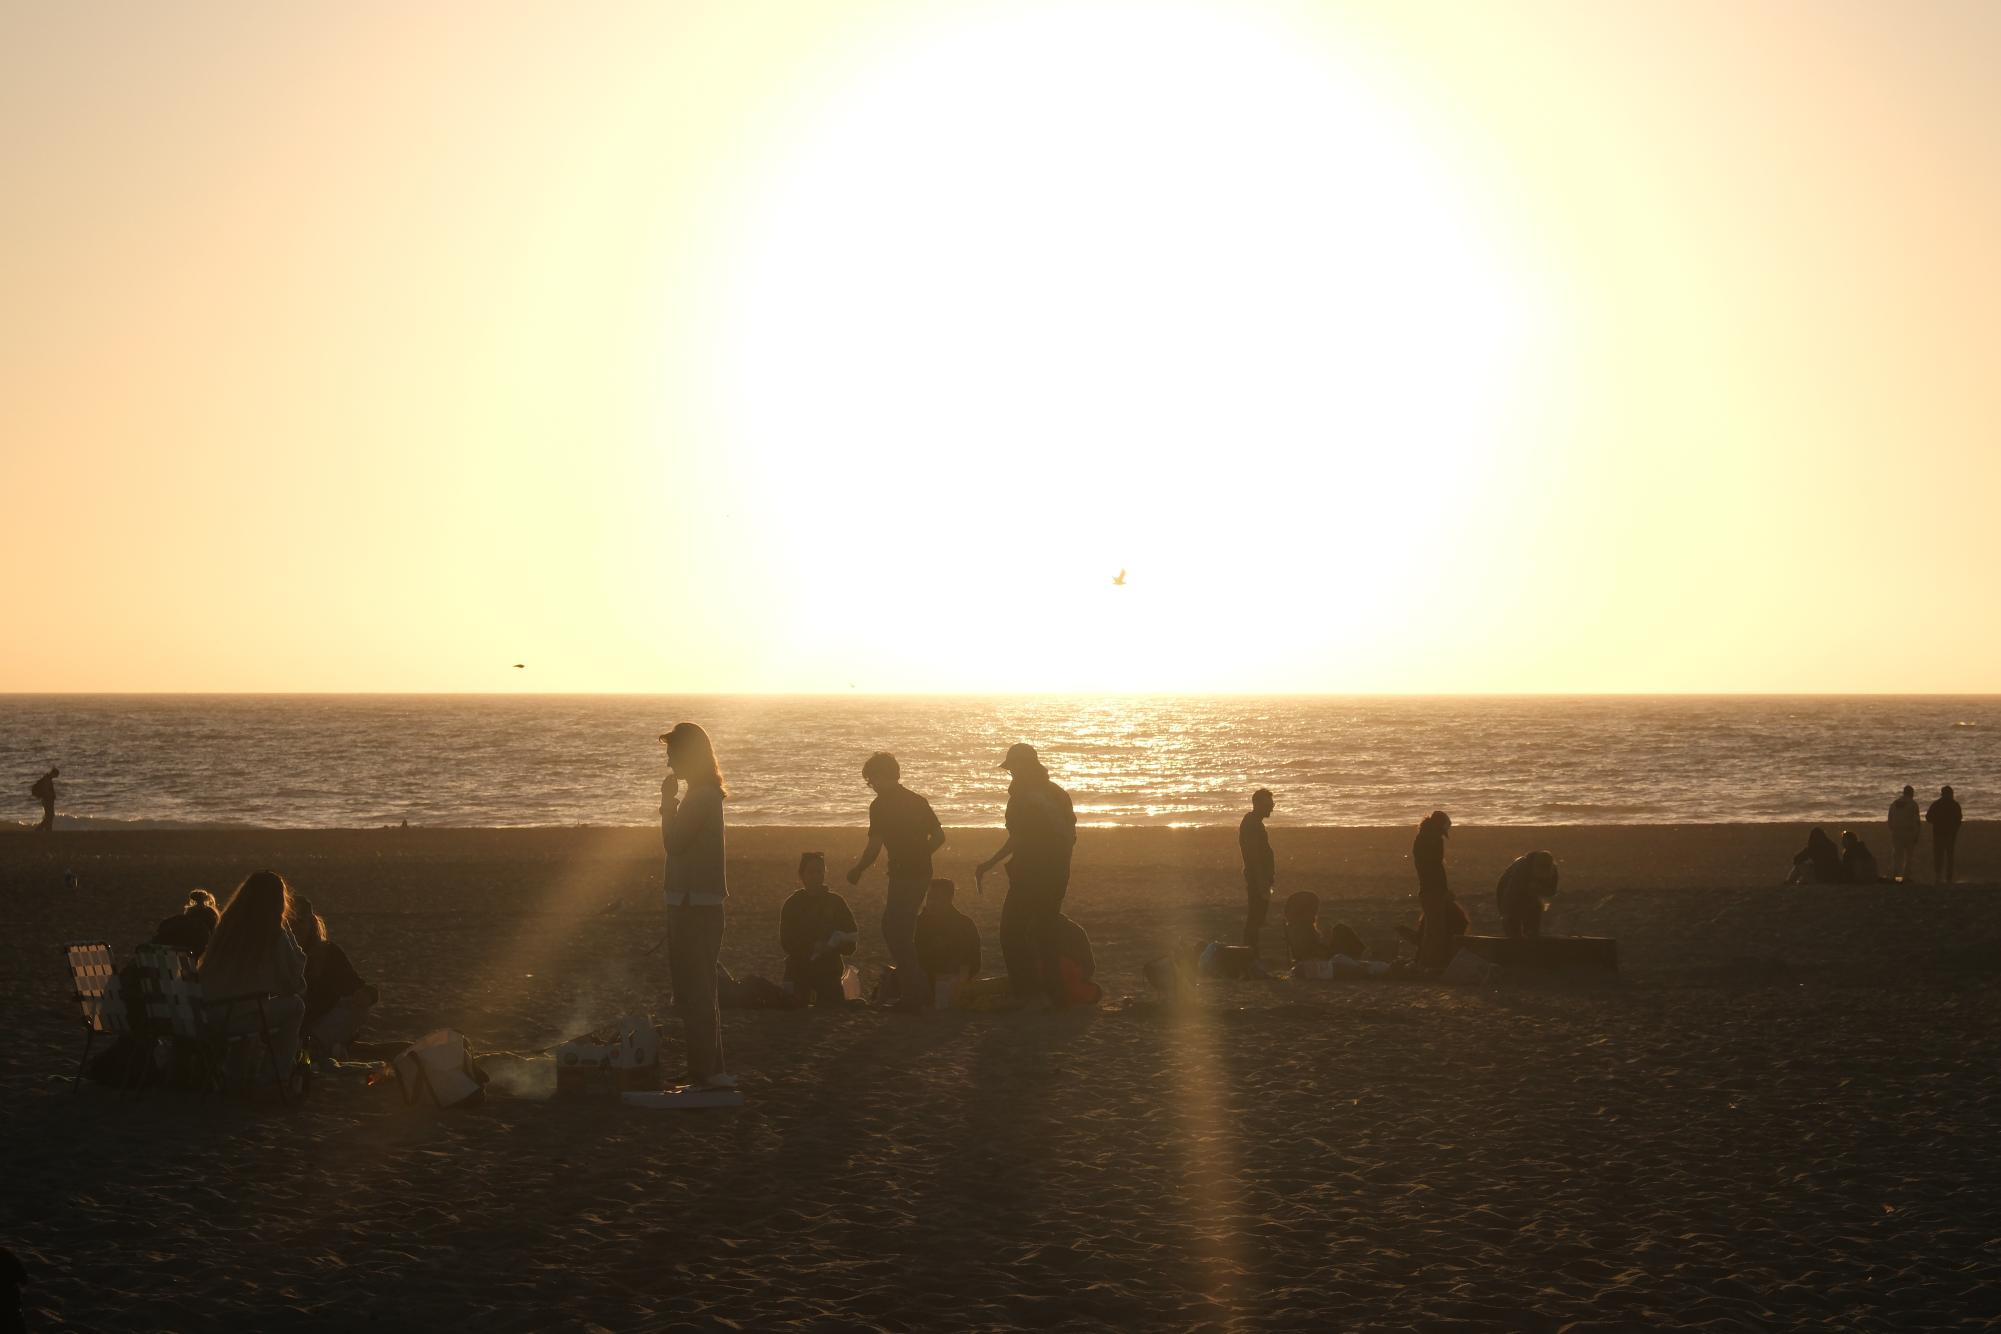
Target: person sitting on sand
{"x": 1075, "y": 965}
{"x": 1524, "y": 888}
{"x": 817, "y": 932}
{"x": 948, "y": 941}
{"x": 337, "y": 1000}
{"x": 252, "y": 954}
{"x": 1818, "y": 863}
{"x": 1858, "y": 864}
{"x": 1307, "y": 941}
{"x": 1441, "y": 921}
{"x": 189, "y": 929}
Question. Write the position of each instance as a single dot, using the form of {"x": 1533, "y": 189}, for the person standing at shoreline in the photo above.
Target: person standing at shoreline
{"x": 1041, "y": 834}
{"x": 1260, "y": 869}
{"x": 1905, "y": 826}
{"x": 44, "y": 791}
{"x": 696, "y": 888}
{"x": 1945, "y": 817}
{"x": 1441, "y": 921}
{"x": 902, "y": 822}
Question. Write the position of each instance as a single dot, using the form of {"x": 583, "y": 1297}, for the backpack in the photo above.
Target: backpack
{"x": 441, "y": 1064}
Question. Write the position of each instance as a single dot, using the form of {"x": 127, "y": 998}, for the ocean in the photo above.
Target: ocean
{"x": 473, "y": 760}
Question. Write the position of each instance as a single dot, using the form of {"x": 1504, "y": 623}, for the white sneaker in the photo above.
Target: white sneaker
{"x": 722, "y": 1079}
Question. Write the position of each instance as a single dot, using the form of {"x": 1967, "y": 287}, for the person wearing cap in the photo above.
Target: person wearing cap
{"x": 1945, "y": 817}
{"x": 1905, "y": 826}
{"x": 1441, "y": 921}
{"x": 1041, "y": 832}
{"x": 691, "y": 832}
{"x": 904, "y": 823}
{"x": 1260, "y": 870}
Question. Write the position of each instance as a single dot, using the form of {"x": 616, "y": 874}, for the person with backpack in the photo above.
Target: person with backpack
{"x": 1945, "y": 817}
{"x": 1041, "y": 835}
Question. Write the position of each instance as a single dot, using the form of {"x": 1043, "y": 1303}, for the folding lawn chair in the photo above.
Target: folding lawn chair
{"x": 92, "y": 974}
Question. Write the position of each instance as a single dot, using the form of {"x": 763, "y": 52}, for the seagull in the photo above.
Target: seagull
{"x": 1120, "y": 582}
{"x": 520, "y": 665}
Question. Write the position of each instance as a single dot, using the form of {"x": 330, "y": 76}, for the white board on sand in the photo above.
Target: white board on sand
{"x": 684, "y": 1099}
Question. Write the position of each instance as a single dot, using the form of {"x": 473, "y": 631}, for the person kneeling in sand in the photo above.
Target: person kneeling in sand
{"x": 337, "y": 999}
{"x": 1523, "y": 892}
{"x": 948, "y": 941}
{"x": 817, "y": 932}
{"x": 189, "y": 929}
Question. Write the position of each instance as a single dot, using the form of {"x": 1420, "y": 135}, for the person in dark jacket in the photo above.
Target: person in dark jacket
{"x": 1041, "y": 834}
{"x": 902, "y": 823}
{"x": 1260, "y": 869}
{"x": 189, "y": 929}
{"x": 948, "y": 941}
{"x": 1441, "y": 921}
{"x": 44, "y": 790}
{"x": 1945, "y": 817}
{"x": 1523, "y": 890}
{"x": 1905, "y": 826}
{"x": 817, "y": 931}
{"x": 1858, "y": 864}
{"x": 1818, "y": 863}
{"x": 337, "y": 998}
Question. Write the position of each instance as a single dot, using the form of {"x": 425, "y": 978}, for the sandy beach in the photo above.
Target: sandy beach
{"x": 1786, "y": 1115}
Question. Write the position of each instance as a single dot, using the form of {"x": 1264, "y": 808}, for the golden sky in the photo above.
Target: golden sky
{"x": 684, "y": 347}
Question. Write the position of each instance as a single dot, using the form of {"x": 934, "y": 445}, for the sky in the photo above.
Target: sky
{"x": 1426, "y": 347}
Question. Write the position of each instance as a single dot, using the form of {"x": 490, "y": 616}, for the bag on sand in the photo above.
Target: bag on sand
{"x": 441, "y": 1064}
{"x": 624, "y": 1058}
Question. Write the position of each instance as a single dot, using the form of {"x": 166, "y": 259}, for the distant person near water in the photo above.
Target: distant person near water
{"x": 1441, "y": 921}
{"x": 903, "y": 823}
{"x": 44, "y": 791}
{"x": 696, "y": 886}
{"x": 1818, "y": 863}
{"x": 1945, "y": 817}
{"x": 1041, "y": 834}
{"x": 1905, "y": 827}
{"x": 818, "y": 933}
{"x": 1523, "y": 891}
{"x": 1260, "y": 870}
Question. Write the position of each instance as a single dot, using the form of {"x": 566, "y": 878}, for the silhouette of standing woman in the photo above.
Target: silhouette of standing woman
{"x": 44, "y": 791}
{"x": 1441, "y": 921}
{"x": 691, "y": 832}
{"x": 1041, "y": 832}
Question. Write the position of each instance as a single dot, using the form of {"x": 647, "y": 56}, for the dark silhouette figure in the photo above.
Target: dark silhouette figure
{"x": 337, "y": 998}
{"x": 697, "y": 886}
{"x": 818, "y": 933}
{"x": 1041, "y": 833}
{"x": 948, "y": 941}
{"x": 1945, "y": 817}
{"x": 1441, "y": 921}
{"x": 1306, "y": 940}
{"x": 189, "y": 929}
{"x": 1858, "y": 864}
{"x": 1523, "y": 890}
{"x": 44, "y": 791}
{"x": 904, "y": 823}
{"x": 1905, "y": 826}
{"x": 1818, "y": 863}
{"x": 1260, "y": 870}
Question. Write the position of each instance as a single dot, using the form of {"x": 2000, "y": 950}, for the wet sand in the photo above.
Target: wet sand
{"x": 1785, "y": 1116}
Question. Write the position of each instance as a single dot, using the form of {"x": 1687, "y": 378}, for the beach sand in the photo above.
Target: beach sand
{"x": 1785, "y": 1116}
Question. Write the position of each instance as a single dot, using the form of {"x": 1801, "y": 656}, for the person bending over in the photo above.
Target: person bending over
{"x": 337, "y": 999}
{"x": 948, "y": 941}
{"x": 189, "y": 929}
{"x": 817, "y": 932}
{"x": 1260, "y": 870}
{"x": 1524, "y": 889}
{"x": 1818, "y": 863}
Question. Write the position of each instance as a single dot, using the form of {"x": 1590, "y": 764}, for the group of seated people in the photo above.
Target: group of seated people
{"x": 269, "y": 942}
{"x": 818, "y": 935}
{"x": 1821, "y": 862}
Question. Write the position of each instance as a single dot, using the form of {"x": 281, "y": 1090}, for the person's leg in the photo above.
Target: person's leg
{"x": 48, "y": 823}
{"x": 694, "y": 940}
{"x": 1048, "y": 940}
{"x": 1938, "y": 858}
{"x": 1951, "y": 847}
{"x": 1257, "y": 905}
{"x": 899, "y": 933}
{"x": 1018, "y": 956}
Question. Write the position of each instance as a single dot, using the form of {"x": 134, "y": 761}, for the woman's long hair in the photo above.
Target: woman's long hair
{"x": 247, "y": 936}
{"x": 307, "y": 927}
{"x": 693, "y": 756}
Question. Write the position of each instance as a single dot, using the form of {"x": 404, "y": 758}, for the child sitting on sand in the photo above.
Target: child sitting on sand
{"x": 948, "y": 941}
{"x": 817, "y": 932}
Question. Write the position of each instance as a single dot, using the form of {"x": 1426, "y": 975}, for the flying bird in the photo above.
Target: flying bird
{"x": 519, "y": 665}
{"x": 1120, "y": 582}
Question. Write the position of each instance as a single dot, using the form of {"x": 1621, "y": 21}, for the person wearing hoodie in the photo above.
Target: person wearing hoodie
{"x": 1905, "y": 827}
{"x": 1945, "y": 817}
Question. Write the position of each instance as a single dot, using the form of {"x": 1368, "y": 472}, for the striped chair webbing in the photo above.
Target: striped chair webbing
{"x": 173, "y": 996}
{"x": 95, "y": 975}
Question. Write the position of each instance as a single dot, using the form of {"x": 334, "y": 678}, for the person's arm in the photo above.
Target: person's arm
{"x": 844, "y": 922}
{"x": 936, "y": 838}
{"x": 866, "y": 860}
{"x": 1006, "y": 851}
{"x": 700, "y": 809}
{"x": 670, "y": 806}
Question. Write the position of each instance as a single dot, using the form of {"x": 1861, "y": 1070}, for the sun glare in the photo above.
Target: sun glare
{"x": 1161, "y": 290}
